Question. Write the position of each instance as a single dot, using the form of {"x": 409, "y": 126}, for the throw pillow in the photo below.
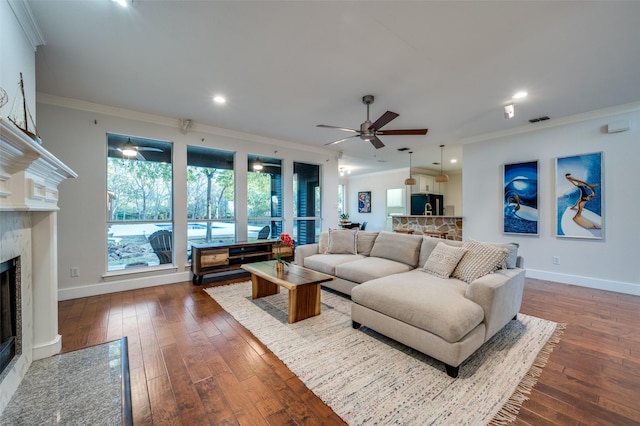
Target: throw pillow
{"x": 479, "y": 260}
{"x": 512, "y": 256}
{"x": 403, "y": 248}
{"x": 323, "y": 244}
{"x": 443, "y": 260}
{"x": 342, "y": 241}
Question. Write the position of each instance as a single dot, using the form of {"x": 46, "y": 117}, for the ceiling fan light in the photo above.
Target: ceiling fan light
{"x": 257, "y": 165}
{"x": 129, "y": 150}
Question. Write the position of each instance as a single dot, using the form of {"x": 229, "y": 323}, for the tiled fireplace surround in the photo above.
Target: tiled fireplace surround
{"x": 29, "y": 177}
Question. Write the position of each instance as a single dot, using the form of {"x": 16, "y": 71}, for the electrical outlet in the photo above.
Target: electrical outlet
{"x": 75, "y": 271}
{"x": 556, "y": 260}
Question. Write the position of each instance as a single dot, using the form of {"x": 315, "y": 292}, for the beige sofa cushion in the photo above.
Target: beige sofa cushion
{"x": 436, "y": 305}
{"x": 342, "y": 241}
{"x": 429, "y": 243}
{"x": 399, "y": 247}
{"x": 326, "y": 263}
{"x": 443, "y": 260}
{"x": 369, "y": 268}
{"x": 512, "y": 256}
{"x": 365, "y": 241}
{"x": 479, "y": 260}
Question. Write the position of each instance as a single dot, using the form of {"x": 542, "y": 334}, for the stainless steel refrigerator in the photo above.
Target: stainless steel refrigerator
{"x": 421, "y": 203}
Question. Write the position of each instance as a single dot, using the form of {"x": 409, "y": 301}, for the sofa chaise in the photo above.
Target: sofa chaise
{"x": 441, "y": 297}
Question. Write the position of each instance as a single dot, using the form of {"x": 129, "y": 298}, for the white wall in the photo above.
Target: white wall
{"x": 17, "y": 55}
{"x": 608, "y": 263}
{"x": 75, "y": 132}
{"x": 377, "y": 183}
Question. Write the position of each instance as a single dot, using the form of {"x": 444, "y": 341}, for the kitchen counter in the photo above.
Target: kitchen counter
{"x": 424, "y": 224}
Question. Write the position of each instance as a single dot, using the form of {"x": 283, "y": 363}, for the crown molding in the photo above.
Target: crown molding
{"x": 562, "y": 121}
{"x": 27, "y": 21}
{"x": 85, "y": 106}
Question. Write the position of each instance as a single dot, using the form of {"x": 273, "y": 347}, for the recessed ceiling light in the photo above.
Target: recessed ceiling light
{"x": 122, "y": 3}
{"x": 520, "y": 95}
{"x": 219, "y": 99}
{"x": 453, "y": 160}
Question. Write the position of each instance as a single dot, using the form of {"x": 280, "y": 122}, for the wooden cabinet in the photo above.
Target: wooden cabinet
{"x": 220, "y": 257}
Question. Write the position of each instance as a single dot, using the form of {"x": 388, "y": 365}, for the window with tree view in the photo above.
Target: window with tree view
{"x": 264, "y": 197}
{"x": 210, "y": 196}
{"x": 139, "y": 202}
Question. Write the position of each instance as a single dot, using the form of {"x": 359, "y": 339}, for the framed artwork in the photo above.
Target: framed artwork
{"x": 579, "y": 196}
{"x": 520, "y": 198}
{"x": 364, "y": 202}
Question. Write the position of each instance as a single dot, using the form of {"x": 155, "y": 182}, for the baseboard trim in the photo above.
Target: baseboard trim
{"x": 617, "y": 286}
{"x": 122, "y": 285}
{"x": 45, "y": 350}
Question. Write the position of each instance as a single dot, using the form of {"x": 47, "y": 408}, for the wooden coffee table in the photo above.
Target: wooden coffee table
{"x": 303, "y": 285}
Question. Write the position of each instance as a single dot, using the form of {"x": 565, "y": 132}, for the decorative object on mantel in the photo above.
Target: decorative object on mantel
{"x": 4, "y": 98}
{"x": 410, "y": 180}
{"x": 22, "y": 118}
{"x": 442, "y": 177}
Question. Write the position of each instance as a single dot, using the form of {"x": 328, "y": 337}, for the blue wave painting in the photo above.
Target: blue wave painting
{"x": 520, "y": 202}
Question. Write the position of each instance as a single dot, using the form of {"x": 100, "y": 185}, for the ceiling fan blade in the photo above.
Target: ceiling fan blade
{"x": 148, "y": 148}
{"x": 336, "y": 127}
{"x": 140, "y": 157}
{"x": 384, "y": 119}
{"x": 341, "y": 140}
{"x": 403, "y": 132}
{"x": 377, "y": 143}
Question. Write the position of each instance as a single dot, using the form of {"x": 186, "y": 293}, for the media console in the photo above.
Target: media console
{"x": 220, "y": 257}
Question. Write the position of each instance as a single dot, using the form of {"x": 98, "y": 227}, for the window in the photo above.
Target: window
{"x": 264, "y": 197}
{"x": 139, "y": 202}
{"x": 341, "y": 205}
{"x": 210, "y": 196}
{"x": 306, "y": 203}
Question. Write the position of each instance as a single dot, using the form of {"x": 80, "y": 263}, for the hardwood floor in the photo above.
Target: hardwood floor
{"x": 191, "y": 363}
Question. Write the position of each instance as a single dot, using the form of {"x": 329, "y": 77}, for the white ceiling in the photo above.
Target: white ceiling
{"x": 287, "y": 66}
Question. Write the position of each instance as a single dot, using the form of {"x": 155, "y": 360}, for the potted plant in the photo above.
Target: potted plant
{"x": 344, "y": 218}
{"x": 284, "y": 240}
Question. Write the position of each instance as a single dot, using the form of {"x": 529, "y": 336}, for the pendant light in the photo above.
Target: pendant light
{"x": 410, "y": 180}
{"x": 442, "y": 177}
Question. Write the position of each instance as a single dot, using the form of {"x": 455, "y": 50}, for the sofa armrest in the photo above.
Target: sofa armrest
{"x": 303, "y": 251}
{"x": 500, "y": 296}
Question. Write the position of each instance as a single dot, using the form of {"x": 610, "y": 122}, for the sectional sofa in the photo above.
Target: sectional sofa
{"x": 441, "y": 297}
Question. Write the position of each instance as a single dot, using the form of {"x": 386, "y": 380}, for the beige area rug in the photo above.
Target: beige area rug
{"x": 369, "y": 379}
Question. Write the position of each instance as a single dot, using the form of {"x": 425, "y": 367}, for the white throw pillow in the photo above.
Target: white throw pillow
{"x": 479, "y": 260}
{"x": 342, "y": 241}
{"x": 443, "y": 260}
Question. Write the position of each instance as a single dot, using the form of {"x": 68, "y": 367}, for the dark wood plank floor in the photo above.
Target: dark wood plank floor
{"x": 193, "y": 364}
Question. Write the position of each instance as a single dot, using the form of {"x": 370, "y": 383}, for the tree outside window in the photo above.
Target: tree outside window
{"x": 139, "y": 202}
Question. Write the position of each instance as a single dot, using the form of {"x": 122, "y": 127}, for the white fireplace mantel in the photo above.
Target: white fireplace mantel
{"x": 29, "y": 174}
{"x": 29, "y": 179}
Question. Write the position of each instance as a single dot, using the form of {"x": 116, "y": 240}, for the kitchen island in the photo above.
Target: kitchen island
{"x": 451, "y": 226}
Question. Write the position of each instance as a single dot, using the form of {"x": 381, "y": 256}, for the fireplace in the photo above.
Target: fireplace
{"x": 9, "y": 312}
{"x": 29, "y": 179}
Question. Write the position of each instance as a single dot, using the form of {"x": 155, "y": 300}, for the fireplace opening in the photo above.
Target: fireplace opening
{"x": 9, "y": 281}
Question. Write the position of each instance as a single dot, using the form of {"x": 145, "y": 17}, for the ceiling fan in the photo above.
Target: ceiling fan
{"x": 128, "y": 149}
{"x": 370, "y": 131}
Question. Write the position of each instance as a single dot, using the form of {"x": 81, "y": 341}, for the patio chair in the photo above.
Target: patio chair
{"x": 264, "y": 233}
{"x": 162, "y": 243}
